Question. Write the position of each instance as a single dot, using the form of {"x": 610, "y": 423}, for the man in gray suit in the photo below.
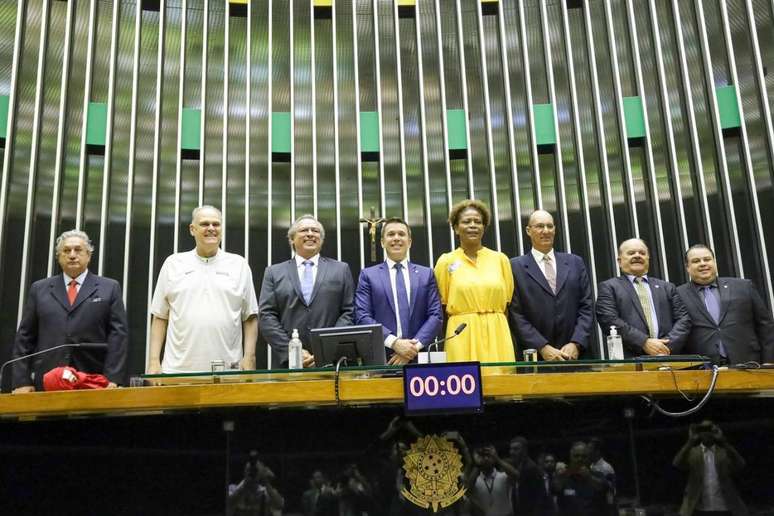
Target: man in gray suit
{"x": 308, "y": 291}
{"x": 731, "y": 323}
{"x": 647, "y": 311}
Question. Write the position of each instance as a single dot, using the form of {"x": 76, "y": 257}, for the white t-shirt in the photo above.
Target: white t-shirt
{"x": 205, "y": 301}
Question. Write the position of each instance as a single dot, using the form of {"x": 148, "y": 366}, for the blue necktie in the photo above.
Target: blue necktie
{"x": 307, "y": 281}
{"x": 403, "y": 301}
{"x": 713, "y": 307}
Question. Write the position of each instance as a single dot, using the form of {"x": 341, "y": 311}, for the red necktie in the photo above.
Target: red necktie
{"x": 72, "y": 292}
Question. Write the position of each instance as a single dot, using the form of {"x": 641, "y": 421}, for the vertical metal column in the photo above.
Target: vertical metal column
{"x": 378, "y": 69}
{"x": 270, "y": 111}
{"x": 444, "y": 121}
{"x": 86, "y": 94}
{"x": 59, "y": 159}
{"x": 632, "y": 199}
{"x": 248, "y": 115}
{"x": 538, "y": 194}
{"x": 401, "y": 122}
{"x": 666, "y": 113}
{"x": 35, "y": 146}
{"x": 336, "y": 132}
{"x": 693, "y": 130}
{"x": 224, "y": 134}
{"x": 554, "y": 116}
{"x": 357, "y": 128}
{"x": 651, "y": 172}
{"x": 759, "y": 76}
{"x": 203, "y": 101}
{"x": 461, "y": 50}
{"x": 11, "y": 132}
{"x": 423, "y": 133}
{"x": 579, "y": 148}
{"x": 511, "y": 130}
{"x": 155, "y": 173}
{"x": 488, "y": 124}
{"x": 313, "y": 83}
{"x": 180, "y": 92}
{"x": 750, "y": 176}
{"x": 718, "y": 132}
{"x": 292, "y": 76}
{"x": 601, "y": 137}
{"x": 132, "y": 148}
{"x": 103, "y": 215}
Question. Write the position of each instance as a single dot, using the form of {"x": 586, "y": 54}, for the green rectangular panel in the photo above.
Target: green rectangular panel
{"x": 635, "y": 120}
{"x": 280, "y": 132}
{"x": 544, "y": 124}
{"x": 728, "y": 109}
{"x": 96, "y": 124}
{"x": 369, "y": 131}
{"x": 3, "y": 116}
{"x": 456, "y": 128}
{"x": 191, "y": 128}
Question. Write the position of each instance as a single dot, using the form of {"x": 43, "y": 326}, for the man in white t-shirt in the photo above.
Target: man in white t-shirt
{"x": 204, "y": 307}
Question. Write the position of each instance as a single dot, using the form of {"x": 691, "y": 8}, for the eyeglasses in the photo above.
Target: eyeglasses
{"x": 543, "y": 227}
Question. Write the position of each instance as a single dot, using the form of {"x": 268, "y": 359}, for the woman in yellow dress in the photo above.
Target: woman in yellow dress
{"x": 476, "y": 285}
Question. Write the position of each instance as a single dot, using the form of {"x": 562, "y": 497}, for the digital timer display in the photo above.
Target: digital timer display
{"x": 442, "y": 388}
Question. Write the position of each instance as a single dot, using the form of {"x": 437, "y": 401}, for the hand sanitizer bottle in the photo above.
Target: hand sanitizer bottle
{"x": 295, "y": 352}
{"x": 615, "y": 345}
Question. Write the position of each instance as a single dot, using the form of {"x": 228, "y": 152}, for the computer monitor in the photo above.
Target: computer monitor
{"x": 362, "y": 345}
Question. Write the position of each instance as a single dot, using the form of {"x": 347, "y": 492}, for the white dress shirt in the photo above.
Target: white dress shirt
{"x": 390, "y": 339}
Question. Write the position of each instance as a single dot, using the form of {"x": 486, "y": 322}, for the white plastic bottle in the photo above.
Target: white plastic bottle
{"x": 615, "y": 345}
{"x": 295, "y": 352}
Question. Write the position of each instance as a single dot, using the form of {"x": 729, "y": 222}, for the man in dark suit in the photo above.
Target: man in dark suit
{"x": 551, "y": 309}
{"x": 308, "y": 291}
{"x": 73, "y": 307}
{"x": 400, "y": 295}
{"x": 648, "y": 313}
{"x": 731, "y": 323}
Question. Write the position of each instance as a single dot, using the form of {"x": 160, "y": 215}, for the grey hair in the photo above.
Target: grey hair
{"x": 294, "y": 228}
{"x": 73, "y": 233}
{"x": 196, "y": 211}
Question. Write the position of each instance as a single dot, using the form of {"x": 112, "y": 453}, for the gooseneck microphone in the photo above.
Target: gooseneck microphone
{"x": 456, "y": 332}
{"x": 82, "y": 345}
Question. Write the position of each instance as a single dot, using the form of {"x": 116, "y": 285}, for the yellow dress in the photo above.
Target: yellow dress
{"x": 477, "y": 293}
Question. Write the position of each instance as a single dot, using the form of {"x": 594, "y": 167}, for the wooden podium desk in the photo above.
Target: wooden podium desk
{"x": 502, "y": 383}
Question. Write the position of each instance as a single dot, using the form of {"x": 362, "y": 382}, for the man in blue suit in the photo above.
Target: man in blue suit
{"x": 73, "y": 307}
{"x": 400, "y": 295}
{"x": 551, "y": 309}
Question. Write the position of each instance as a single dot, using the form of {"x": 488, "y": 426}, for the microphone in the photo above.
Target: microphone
{"x": 82, "y": 345}
{"x": 456, "y": 332}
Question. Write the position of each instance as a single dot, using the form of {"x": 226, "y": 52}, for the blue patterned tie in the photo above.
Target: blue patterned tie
{"x": 713, "y": 307}
{"x": 403, "y": 300}
{"x": 307, "y": 282}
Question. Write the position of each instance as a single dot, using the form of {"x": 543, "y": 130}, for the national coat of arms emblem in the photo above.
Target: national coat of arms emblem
{"x": 434, "y": 470}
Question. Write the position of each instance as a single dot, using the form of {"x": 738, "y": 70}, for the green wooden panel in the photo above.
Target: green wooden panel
{"x": 191, "y": 129}
{"x": 544, "y": 124}
{"x": 280, "y": 132}
{"x": 369, "y": 131}
{"x": 728, "y": 109}
{"x": 96, "y": 123}
{"x": 3, "y": 116}
{"x": 633, "y": 114}
{"x": 455, "y": 127}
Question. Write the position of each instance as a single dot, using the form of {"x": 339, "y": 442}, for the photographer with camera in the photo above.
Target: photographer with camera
{"x": 579, "y": 490}
{"x": 254, "y": 495}
{"x": 711, "y": 463}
